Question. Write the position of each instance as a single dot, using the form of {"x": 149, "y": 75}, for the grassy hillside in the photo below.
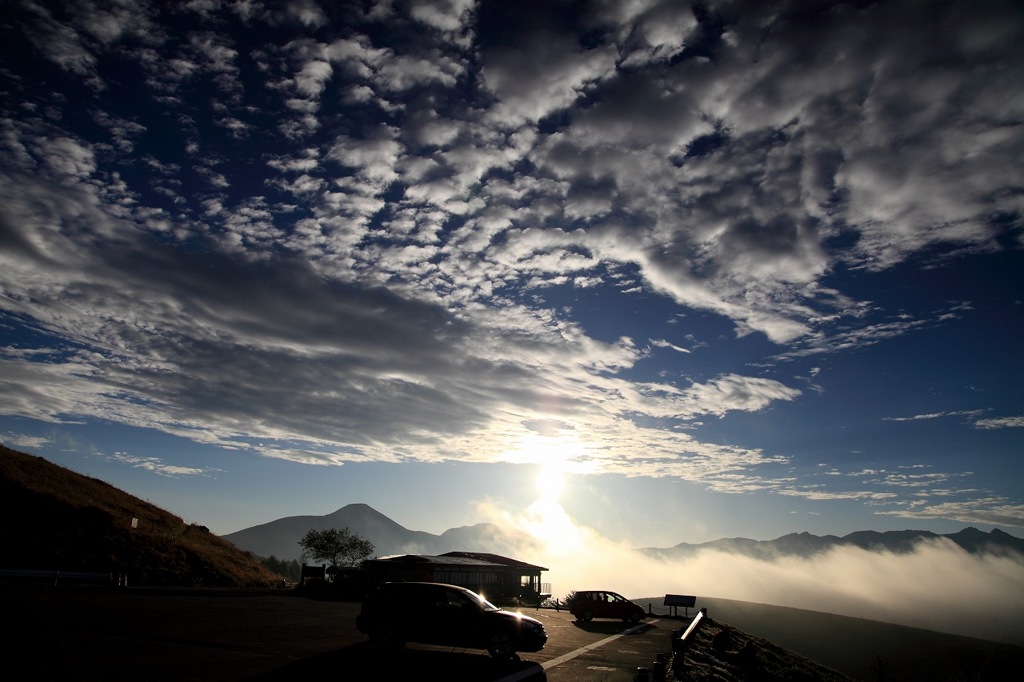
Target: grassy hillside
{"x": 866, "y": 649}
{"x": 717, "y": 654}
{"x": 52, "y": 518}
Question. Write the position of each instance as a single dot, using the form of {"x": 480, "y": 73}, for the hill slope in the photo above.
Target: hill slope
{"x": 722, "y": 653}
{"x": 52, "y": 518}
{"x": 867, "y": 649}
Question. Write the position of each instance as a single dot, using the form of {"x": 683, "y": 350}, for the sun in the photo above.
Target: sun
{"x": 558, "y": 456}
{"x": 550, "y": 522}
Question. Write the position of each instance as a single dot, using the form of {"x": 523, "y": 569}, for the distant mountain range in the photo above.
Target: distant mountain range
{"x": 970, "y": 540}
{"x": 280, "y": 539}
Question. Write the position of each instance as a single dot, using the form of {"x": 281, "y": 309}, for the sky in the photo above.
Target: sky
{"x": 663, "y": 271}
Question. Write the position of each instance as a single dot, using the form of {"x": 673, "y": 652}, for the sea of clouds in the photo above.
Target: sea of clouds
{"x": 938, "y": 586}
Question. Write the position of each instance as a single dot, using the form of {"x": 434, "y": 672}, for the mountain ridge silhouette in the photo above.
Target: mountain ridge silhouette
{"x": 280, "y": 538}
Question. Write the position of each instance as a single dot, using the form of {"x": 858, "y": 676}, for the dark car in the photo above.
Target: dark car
{"x": 590, "y": 604}
{"x": 446, "y": 615}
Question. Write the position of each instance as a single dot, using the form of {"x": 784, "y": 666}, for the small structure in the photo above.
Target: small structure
{"x": 315, "y": 574}
{"x": 496, "y": 577}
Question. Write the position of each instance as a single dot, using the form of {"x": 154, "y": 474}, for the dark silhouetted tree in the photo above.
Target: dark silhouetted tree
{"x": 337, "y": 546}
{"x": 287, "y": 569}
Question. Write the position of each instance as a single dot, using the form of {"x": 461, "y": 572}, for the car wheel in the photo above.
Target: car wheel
{"x": 501, "y": 645}
{"x": 632, "y": 618}
{"x": 386, "y": 638}
{"x": 586, "y": 616}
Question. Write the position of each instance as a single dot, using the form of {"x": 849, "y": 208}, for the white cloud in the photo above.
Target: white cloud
{"x": 987, "y": 510}
{"x": 66, "y": 156}
{"x": 541, "y": 75}
{"x": 374, "y": 158}
{"x": 110, "y": 23}
{"x": 1000, "y": 423}
{"x": 59, "y": 42}
{"x": 662, "y": 343}
{"x": 734, "y": 392}
{"x": 936, "y": 415}
{"x": 307, "y": 12}
{"x": 393, "y": 266}
{"x": 24, "y": 441}
{"x": 823, "y": 494}
{"x": 123, "y": 133}
{"x": 312, "y": 78}
{"x": 157, "y": 466}
{"x": 445, "y": 15}
{"x": 399, "y": 73}
{"x": 304, "y": 162}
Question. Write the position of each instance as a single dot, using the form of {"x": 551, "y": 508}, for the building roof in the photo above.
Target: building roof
{"x": 477, "y": 559}
{"x": 496, "y": 559}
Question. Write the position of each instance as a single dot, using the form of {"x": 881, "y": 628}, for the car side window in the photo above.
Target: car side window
{"x": 423, "y": 598}
{"x": 439, "y": 597}
{"x": 456, "y": 599}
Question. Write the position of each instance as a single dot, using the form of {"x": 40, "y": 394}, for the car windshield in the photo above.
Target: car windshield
{"x": 484, "y": 604}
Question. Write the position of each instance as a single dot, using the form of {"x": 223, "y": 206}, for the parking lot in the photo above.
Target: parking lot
{"x": 97, "y": 633}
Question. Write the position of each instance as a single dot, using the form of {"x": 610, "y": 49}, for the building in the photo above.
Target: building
{"x": 499, "y": 579}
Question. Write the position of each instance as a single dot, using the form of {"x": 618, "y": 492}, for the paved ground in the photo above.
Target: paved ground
{"x": 97, "y": 633}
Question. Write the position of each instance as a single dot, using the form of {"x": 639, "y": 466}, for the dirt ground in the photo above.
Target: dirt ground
{"x": 108, "y": 634}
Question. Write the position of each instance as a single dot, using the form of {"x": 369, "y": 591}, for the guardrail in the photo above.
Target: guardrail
{"x": 681, "y": 644}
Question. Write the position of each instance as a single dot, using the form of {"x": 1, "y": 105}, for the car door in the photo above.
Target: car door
{"x": 457, "y": 619}
{"x": 617, "y": 606}
{"x": 592, "y": 602}
{"x": 420, "y": 607}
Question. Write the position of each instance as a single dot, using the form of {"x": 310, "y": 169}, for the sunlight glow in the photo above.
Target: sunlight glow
{"x": 562, "y": 451}
{"x": 550, "y": 481}
{"x": 552, "y": 526}
{"x": 559, "y": 454}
